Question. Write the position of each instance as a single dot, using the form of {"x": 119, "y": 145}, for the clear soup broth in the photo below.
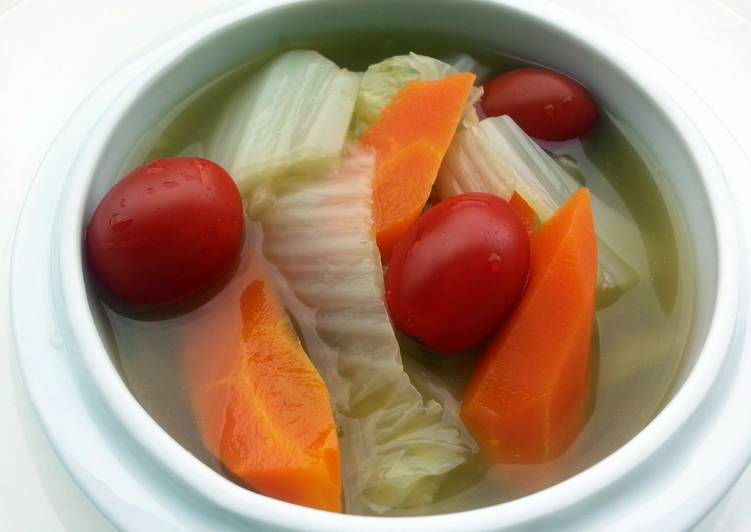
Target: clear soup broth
{"x": 640, "y": 338}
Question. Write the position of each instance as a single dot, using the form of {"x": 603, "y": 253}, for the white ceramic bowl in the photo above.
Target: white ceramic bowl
{"x": 666, "y": 478}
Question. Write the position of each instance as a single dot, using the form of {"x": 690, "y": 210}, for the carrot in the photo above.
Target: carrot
{"x": 530, "y": 394}
{"x": 260, "y": 405}
{"x": 525, "y": 212}
{"x": 410, "y": 139}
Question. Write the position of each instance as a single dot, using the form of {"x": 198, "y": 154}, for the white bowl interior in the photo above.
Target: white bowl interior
{"x": 513, "y": 32}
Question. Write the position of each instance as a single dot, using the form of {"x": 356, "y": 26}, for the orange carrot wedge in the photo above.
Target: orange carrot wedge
{"x": 530, "y": 394}
{"x": 260, "y": 405}
{"x": 410, "y": 139}
{"x": 525, "y": 212}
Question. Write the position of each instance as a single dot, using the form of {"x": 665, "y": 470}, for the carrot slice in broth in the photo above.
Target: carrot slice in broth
{"x": 260, "y": 404}
{"x": 525, "y": 212}
{"x": 410, "y": 138}
{"x": 530, "y": 394}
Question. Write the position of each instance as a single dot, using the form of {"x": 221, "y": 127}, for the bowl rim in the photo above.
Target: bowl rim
{"x": 109, "y": 388}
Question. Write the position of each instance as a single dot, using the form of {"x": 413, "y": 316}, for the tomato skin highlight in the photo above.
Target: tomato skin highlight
{"x": 546, "y": 104}
{"x": 166, "y": 232}
{"x": 458, "y": 271}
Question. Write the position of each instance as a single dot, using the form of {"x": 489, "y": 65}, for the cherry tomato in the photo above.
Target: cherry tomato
{"x": 457, "y": 272}
{"x": 166, "y": 231}
{"x": 545, "y": 104}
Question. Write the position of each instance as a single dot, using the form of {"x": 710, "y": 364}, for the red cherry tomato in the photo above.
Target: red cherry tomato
{"x": 166, "y": 231}
{"x": 458, "y": 270}
{"x": 545, "y": 104}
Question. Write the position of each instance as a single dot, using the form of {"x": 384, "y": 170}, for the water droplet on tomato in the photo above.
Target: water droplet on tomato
{"x": 155, "y": 169}
{"x": 122, "y": 202}
{"x": 150, "y": 190}
{"x": 170, "y": 184}
{"x": 495, "y": 262}
{"x": 550, "y": 110}
{"x": 119, "y": 223}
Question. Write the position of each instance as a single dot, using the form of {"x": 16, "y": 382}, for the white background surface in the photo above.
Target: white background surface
{"x": 54, "y": 52}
